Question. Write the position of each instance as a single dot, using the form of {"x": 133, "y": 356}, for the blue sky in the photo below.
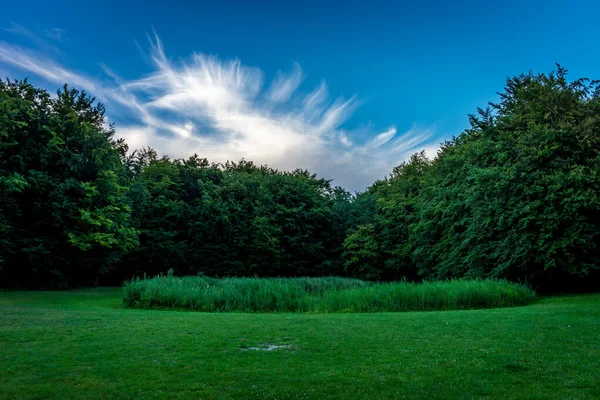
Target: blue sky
{"x": 346, "y": 91}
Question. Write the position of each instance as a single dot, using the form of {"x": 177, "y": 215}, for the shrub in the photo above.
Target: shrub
{"x": 327, "y": 295}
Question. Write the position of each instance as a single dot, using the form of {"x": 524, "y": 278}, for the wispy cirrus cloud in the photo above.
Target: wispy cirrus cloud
{"x": 39, "y": 41}
{"x": 223, "y": 110}
{"x": 56, "y": 34}
{"x": 284, "y": 85}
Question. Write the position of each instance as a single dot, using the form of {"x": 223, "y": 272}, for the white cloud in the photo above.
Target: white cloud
{"x": 284, "y": 85}
{"x": 344, "y": 140}
{"x": 221, "y": 110}
{"x": 56, "y": 34}
{"x": 431, "y": 151}
{"x": 383, "y": 138}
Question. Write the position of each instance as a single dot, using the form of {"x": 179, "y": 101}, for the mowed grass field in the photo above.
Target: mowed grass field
{"x": 82, "y": 345}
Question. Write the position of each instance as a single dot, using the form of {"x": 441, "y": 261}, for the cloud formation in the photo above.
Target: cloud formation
{"x": 56, "y": 34}
{"x": 223, "y": 110}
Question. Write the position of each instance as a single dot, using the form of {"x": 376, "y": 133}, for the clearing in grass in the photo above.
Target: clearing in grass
{"x": 81, "y": 345}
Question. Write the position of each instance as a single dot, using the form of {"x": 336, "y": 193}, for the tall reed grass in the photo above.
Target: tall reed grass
{"x": 327, "y": 295}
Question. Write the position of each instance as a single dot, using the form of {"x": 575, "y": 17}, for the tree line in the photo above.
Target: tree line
{"x": 514, "y": 196}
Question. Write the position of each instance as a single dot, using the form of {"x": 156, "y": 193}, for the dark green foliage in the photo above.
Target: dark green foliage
{"x": 233, "y": 219}
{"x": 77, "y": 210}
{"x": 64, "y": 216}
{"x": 363, "y": 253}
{"x": 515, "y": 196}
{"x": 159, "y": 213}
{"x": 380, "y": 248}
{"x": 318, "y": 294}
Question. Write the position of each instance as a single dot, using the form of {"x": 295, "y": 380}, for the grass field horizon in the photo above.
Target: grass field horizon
{"x": 83, "y": 344}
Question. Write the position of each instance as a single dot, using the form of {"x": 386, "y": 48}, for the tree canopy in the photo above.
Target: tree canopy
{"x": 64, "y": 212}
{"x": 514, "y": 196}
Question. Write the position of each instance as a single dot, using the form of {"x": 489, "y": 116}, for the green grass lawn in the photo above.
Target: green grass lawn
{"x": 82, "y": 345}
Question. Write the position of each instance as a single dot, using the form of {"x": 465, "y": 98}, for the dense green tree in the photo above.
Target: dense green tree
{"x": 363, "y": 254}
{"x": 64, "y": 216}
{"x": 389, "y": 213}
{"x": 236, "y": 219}
{"x": 159, "y": 213}
{"x": 516, "y": 195}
